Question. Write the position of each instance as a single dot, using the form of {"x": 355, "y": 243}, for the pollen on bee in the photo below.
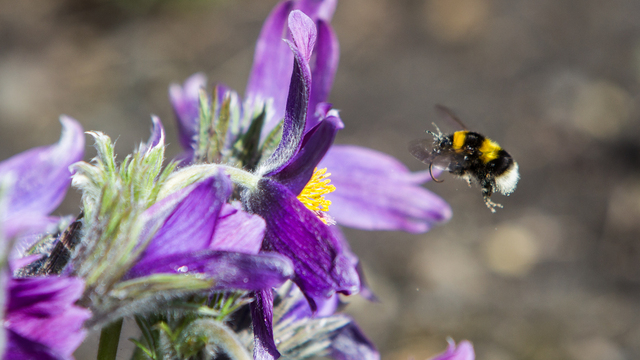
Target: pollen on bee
{"x": 312, "y": 196}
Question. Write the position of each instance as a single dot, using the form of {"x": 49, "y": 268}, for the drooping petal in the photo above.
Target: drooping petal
{"x": 264, "y": 347}
{"x": 42, "y": 310}
{"x": 314, "y": 146}
{"x": 376, "y": 192}
{"x": 186, "y": 102}
{"x": 303, "y": 31}
{"x": 324, "y": 70}
{"x": 321, "y": 265}
{"x": 42, "y": 173}
{"x": 464, "y": 351}
{"x": 350, "y": 343}
{"x": 190, "y": 225}
{"x": 228, "y": 270}
{"x": 239, "y": 231}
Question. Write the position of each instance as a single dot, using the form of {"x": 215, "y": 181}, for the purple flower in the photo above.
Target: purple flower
{"x": 464, "y": 351}
{"x": 291, "y": 80}
{"x": 39, "y": 317}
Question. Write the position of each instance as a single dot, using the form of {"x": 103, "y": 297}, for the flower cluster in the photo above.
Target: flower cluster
{"x": 243, "y": 225}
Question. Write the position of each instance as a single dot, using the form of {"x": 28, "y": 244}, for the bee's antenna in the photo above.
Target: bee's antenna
{"x": 431, "y": 173}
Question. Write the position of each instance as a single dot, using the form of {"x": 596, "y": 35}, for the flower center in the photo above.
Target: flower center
{"x": 312, "y": 196}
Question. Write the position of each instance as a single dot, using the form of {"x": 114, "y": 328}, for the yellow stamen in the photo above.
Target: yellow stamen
{"x": 312, "y": 196}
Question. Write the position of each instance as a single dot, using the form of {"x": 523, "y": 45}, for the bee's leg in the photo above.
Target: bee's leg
{"x": 487, "y": 190}
{"x": 438, "y": 135}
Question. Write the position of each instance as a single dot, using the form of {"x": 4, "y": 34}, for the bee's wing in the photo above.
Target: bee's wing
{"x": 422, "y": 150}
{"x": 447, "y": 113}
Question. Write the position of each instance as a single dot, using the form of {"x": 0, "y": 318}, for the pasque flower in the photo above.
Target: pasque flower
{"x": 291, "y": 80}
{"x": 40, "y": 318}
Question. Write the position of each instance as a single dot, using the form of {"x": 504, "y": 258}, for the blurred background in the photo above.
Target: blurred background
{"x": 553, "y": 275}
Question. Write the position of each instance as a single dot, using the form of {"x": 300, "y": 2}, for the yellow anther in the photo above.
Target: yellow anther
{"x": 312, "y": 196}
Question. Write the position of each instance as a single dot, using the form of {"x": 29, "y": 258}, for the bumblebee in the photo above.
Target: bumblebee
{"x": 470, "y": 156}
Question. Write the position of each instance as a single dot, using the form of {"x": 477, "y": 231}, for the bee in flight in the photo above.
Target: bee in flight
{"x": 468, "y": 155}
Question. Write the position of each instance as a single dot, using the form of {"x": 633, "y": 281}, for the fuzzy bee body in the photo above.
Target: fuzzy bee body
{"x": 471, "y": 156}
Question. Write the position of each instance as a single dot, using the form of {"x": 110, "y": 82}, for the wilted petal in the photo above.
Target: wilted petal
{"x": 464, "y": 351}
{"x": 303, "y": 31}
{"x": 239, "y": 231}
{"x": 376, "y": 192}
{"x": 189, "y": 227}
{"x": 186, "y": 104}
{"x": 314, "y": 145}
{"x": 228, "y": 270}
{"x": 42, "y": 173}
{"x": 264, "y": 347}
{"x": 321, "y": 265}
{"x": 42, "y": 310}
{"x": 324, "y": 70}
{"x": 350, "y": 343}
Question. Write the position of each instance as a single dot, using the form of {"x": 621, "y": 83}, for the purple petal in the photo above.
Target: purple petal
{"x": 21, "y": 348}
{"x": 376, "y": 192}
{"x": 42, "y": 309}
{"x": 464, "y": 351}
{"x": 190, "y": 225}
{"x": 324, "y": 70}
{"x": 326, "y": 307}
{"x": 365, "y": 291}
{"x": 262, "y": 318}
{"x": 228, "y": 270}
{"x": 321, "y": 265}
{"x": 303, "y": 31}
{"x": 317, "y": 9}
{"x": 238, "y": 231}
{"x": 157, "y": 133}
{"x": 272, "y": 63}
{"x": 27, "y": 227}
{"x": 298, "y": 172}
{"x": 186, "y": 104}
{"x": 42, "y": 173}
{"x": 350, "y": 343}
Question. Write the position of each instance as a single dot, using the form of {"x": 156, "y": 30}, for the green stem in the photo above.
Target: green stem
{"x": 109, "y": 338}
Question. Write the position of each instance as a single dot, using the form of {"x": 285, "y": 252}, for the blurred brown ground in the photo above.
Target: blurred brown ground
{"x": 553, "y": 275}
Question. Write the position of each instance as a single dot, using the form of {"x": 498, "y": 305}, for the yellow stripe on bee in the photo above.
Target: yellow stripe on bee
{"x": 458, "y": 139}
{"x": 489, "y": 150}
